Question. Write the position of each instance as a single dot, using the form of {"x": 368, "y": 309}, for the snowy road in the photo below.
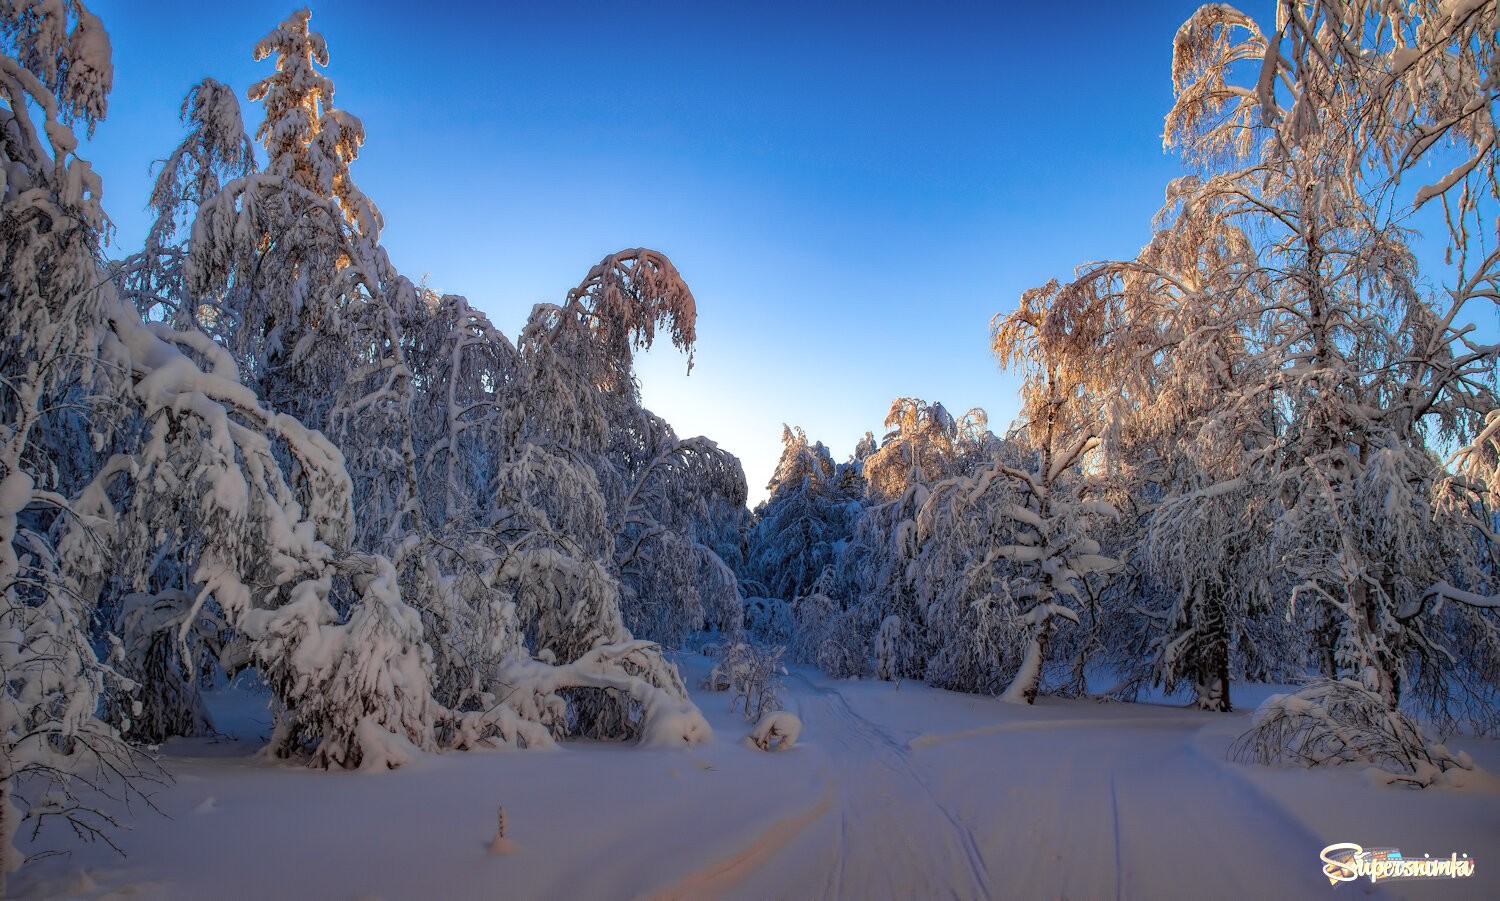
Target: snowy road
{"x": 893, "y": 791}
{"x": 1119, "y": 802}
{"x": 894, "y": 837}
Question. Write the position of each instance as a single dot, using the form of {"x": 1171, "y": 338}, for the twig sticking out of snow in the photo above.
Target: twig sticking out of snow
{"x": 500, "y": 844}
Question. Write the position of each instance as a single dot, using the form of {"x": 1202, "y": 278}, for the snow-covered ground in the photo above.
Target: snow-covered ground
{"x": 892, "y": 791}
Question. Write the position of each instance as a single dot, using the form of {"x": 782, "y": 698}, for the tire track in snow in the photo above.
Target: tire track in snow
{"x": 1132, "y": 813}
{"x": 1111, "y": 806}
{"x": 892, "y": 807}
{"x": 1114, "y": 812}
{"x": 843, "y": 855}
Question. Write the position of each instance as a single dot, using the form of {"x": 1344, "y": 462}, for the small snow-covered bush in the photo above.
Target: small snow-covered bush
{"x": 748, "y": 672}
{"x": 836, "y": 640}
{"x": 1337, "y": 721}
{"x": 777, "y": 731}
{"x": 357, "y": 693}
{"x": 769, "y": 620}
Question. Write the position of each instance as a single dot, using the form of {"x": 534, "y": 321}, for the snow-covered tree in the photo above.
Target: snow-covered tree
{"x": 1185, "y": 426}
{"x": 203, "y": 516}
{"x": 215, "y": 150}
{"x": 54, "y": 70}
{"x": 800, "y": 528}
{"x": 749, "y": 673}
{"x": 1365, "y": 367}
{"x": 1041, "y": 555}
{"x": 565, "y": 511}
{"x": 289, "y": 251}
{"x": 924, "y": 444}
{"x": 875, "y": 577}
{"x": 669, "y": 546}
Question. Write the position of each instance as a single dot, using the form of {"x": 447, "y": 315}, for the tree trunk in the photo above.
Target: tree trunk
{"x": 1211, "y": 664}
{"x": 1376, "y": 669}
{"x": 1023, "y": 688}
{"x": 1325, "y": 638}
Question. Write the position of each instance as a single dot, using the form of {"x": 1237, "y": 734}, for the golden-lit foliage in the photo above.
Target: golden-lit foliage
{"x": 923, "y": 444}
{"x": 1213, "y": 120}
{"x": 628, "y": 295}
{"x": 1062, "y": 338}
{"x": 309, "y": 141}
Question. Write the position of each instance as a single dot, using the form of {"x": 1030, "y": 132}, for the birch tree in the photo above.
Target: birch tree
{"x": 215, "y": 150}
{"x": 1362, "y": 366}
{"x": 1053, "y": 336}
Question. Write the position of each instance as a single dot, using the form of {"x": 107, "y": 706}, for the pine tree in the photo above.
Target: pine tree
{"x": 799, "y": 528}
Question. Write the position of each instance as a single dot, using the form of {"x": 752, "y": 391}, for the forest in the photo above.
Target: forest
{"x": 1265, "y": 449}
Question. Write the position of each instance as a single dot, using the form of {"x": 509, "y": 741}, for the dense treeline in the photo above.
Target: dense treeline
{"x": 1264, "y": 447}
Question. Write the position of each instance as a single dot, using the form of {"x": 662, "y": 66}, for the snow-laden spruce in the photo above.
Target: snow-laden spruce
{"x": 801, "y": 526}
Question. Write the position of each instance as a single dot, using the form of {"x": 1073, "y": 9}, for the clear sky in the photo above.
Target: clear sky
{"x": 852, "y": 190}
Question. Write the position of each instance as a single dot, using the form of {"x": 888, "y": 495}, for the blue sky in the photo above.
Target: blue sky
{"x": 852, "y": 190}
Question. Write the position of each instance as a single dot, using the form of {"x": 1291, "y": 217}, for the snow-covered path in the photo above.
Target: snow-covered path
{"x": 1118, "y": 806}
{"x": 893, "y": 836}
{"x": 893, "y": 791}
